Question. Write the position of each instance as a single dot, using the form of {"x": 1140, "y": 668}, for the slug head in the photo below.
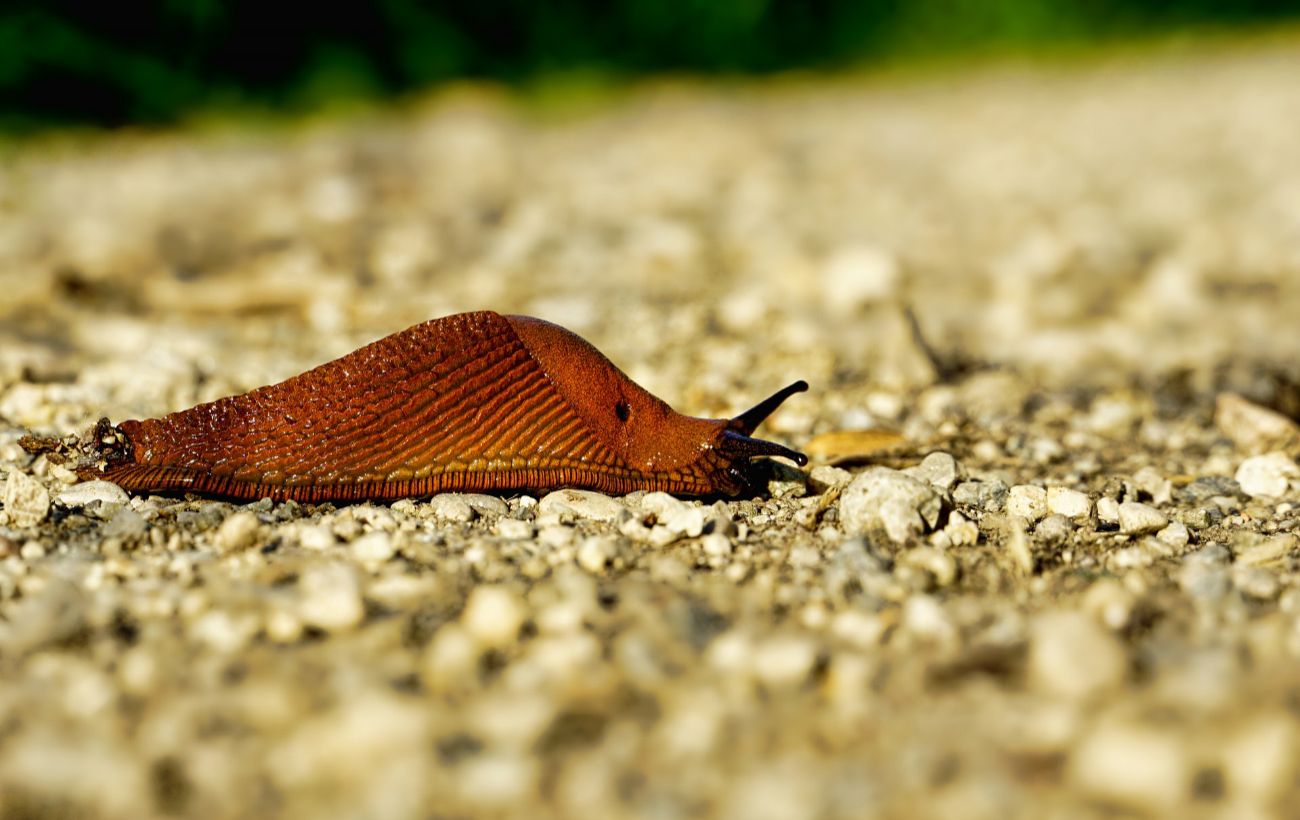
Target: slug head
{"x": 648, "y": 435}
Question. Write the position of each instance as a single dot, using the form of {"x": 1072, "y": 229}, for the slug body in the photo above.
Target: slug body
{"x": 471, "y": 402}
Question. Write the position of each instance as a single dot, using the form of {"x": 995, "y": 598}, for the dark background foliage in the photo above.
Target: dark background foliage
{"x": 71, "y": 61}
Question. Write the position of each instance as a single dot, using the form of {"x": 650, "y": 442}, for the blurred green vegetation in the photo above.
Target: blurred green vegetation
{"x": 147, "y": 61}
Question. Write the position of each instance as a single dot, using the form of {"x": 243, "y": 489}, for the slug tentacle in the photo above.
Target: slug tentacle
{"x": 748, "y": 421}
{"x": 472, "y": 402}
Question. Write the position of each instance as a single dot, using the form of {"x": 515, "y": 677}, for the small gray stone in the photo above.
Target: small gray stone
{"x": 126, "y": 523}
{"x": 883, "y": 498}
{"x": 26, "y": 500}
{"x": 1027, "y": 501}
{"x": 1207, "y": 487}
{"x": 582, "y": 504}
{"x": 940, "y": 470}
{"x": 1054, "y": 530}
{"x": 1203, "y": 574}
{"x": 1137, "y": 519}
{"x": 989, "y": 496}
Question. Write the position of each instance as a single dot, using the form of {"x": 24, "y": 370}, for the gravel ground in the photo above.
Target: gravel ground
{"x": 1061, "y": 578}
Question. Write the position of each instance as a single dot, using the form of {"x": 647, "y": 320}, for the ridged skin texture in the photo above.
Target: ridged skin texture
{"x": 472, "y": 402}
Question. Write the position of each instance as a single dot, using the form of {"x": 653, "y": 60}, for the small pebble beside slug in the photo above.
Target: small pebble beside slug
{"x": 471, "y": 402}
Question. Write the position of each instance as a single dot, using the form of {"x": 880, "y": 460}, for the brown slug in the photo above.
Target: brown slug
{"x": 471, "y": 402}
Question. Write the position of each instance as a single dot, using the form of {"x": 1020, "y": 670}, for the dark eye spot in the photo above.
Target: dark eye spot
{"x": 622, "y": 410}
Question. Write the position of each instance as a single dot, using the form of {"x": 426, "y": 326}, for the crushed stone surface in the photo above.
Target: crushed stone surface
{"x": 1070, "y": 588}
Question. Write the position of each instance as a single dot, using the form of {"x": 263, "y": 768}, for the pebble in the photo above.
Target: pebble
{"x": 940, "y": 470}
{"x": 1253, "y": 428}
{"x": 125, "y": 524}
{"x": 86, "y": 493}
{"x": 1054, "y": 530}
{"x": 1150, "y": 481}
{"x": 1132, "y": 766}
{"x": 597, "y": 552}
{"x": 485, "y": 504}
{"x": 493, "y": 616}
{"x": 1175, "y": 535}
{"x": 580, "y": 504}
{"x": 330, "y": 597}
{"x": 716, "y": 544}
{"x": 784, "y": 662}
{"x": 961, "y": 532}
{"x": 1268, "y": 475}
{"x": 1266, "y": 551}
{"x": 238, "y": 532}
{"x": 989, "y": 496}
{"x": 1202, "y": 575}
{"x": 1259, "y": 757}
{"x": 451, "y": 507}
{"x": 517, "y": 529}
{"x": 824, "y": 478}
{"x": 1256, "y": 582}
{"x": 26, "y": 501}
{"x": 1072, "y": 656}
{"x": 1136, "y": 518}
{"x": 678, "y": 517}
{"x": 373, "y": 548}
{"x": 883, "y": 498}
{"x": 1027, "y": 501}
{"x": 1107, "y": 510}
{"x": 1069, "y": 503}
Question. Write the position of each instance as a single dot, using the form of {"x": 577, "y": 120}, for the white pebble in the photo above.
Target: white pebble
{"x": 678, "y": 517}
{"x": 374, "y": 547}
{"x": 716, "y": 544}
{"x": 493, "y": 616}
{"x": 1132, "y": 766}
{"x": 582, "y": 504}
{"x": 1027, "y": 501}
{"x": 451, "y": 507}
{"x": 1175, "y": 535}
{"x": 330, "y": 597}
{"x": 1069, "y": 503}
{"x": 238, "y": 532}
{"x": 961, "y": 532}
{"x": 597, "y": 552}
{"x": 1137, "y": 519}
{"x": 87, "y": 492}
{"x": 514, "y": 528}
{"x": 1267, "y": 476}
{"x": 316, "y": 537}
{"x": 887, "y": 499}
{"x": 26, "y": 500}
{"x": 784, "y": 661}
{"x": 1072, "y": 656}
{"x": 1108, "y": 510}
